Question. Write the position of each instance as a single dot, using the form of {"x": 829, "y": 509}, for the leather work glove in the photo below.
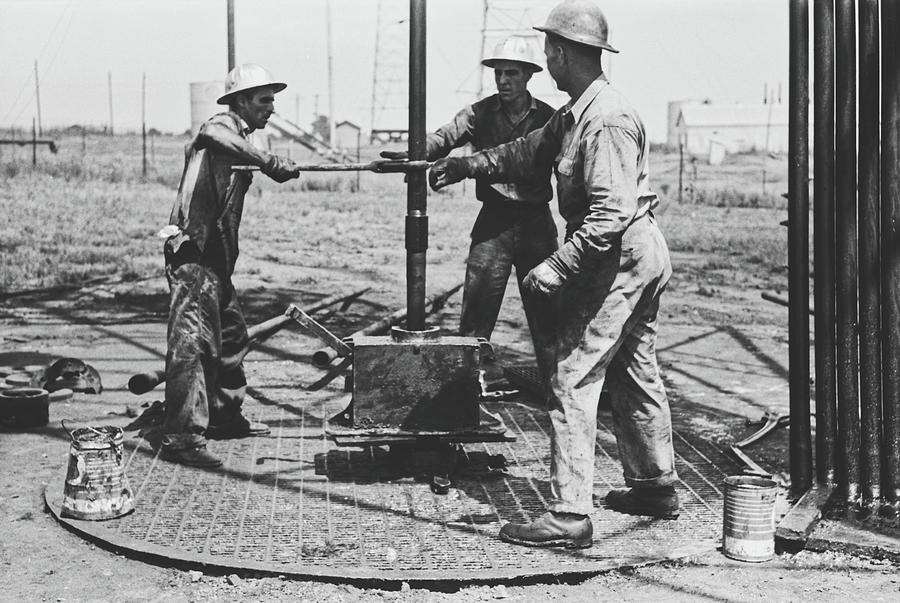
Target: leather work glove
{"x": 448, "y": 171}
{"x": 281, "y": 169}
{"x": 543, "y": 279}
{"x": 395, "y": 155}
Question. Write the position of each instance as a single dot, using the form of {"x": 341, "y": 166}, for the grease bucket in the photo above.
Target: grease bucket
{"x": 23, "y": 407}
{"x": 96, "y": 486}
{"x": 748, "y": 530}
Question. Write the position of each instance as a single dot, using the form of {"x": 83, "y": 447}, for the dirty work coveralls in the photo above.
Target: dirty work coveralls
{"x": 206, "y": 324}
{"x": 513, "y": 228}
{"x": 615, "y": 263}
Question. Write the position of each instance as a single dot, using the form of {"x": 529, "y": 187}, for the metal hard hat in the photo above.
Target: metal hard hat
{"x": 514, "y": 48}
{"x": 580, "y": 21}
{"x": 247, "y": 76}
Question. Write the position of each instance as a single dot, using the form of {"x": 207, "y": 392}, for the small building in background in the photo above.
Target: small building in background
{"x": 347, "y": 135}
{"x": 709, "y": 129}
{"x": 672, "y": 115}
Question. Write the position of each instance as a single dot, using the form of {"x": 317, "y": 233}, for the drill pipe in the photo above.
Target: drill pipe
{"x": 800, "y": 441}
{"x": 823, "y": 236}
{"x": 144, "y": 382}
{"x": 324, "y": 357}
{"x": 416, "y": 233}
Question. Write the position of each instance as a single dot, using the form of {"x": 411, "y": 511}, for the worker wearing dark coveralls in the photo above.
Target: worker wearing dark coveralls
{"x": 607, "y": 277}
{"x": 204, "y": 385}
{"x": 515, "y": 226}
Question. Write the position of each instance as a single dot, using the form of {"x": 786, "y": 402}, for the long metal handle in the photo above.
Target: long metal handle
{"x": 323, "y": 334}
{"x": 380, "y": 167}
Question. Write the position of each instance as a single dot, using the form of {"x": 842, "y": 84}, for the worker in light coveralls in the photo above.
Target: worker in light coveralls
{"x": 607, "y": 278}
{"x": 514, "y": 226}
{"x": 204, "y": 384}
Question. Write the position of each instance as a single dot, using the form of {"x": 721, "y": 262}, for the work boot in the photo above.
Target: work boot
{"x": 192, "y": 456}
{"x": 551, "y": 529}
{"x": 661, "y": 501}
{"x": 238, "y": 427}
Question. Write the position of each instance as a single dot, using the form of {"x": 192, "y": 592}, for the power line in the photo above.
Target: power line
{"x": 59, "y": 46}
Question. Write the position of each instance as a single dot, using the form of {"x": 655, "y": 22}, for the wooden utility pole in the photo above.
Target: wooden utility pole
{"x": 33, "y": 143}
{"x": 144, "y": 124}
{"x": 109, "y": 87}
{"x": 230, "y": 35}
{"x": 37, "y": 97}
{"x": 331, "y": 124}
{"x": 358, "y": 132}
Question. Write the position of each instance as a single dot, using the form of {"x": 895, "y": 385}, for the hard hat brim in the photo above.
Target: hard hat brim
{"x": 491, "y": 62}
{"x": 276, "y": 86}
{"x": 578, "y": 39}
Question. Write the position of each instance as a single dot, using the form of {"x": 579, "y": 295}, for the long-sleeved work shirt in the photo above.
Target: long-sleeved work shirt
{"x": 599, "y": 151}
{"x": 486, "y": 124}
{"x": 210, "y": 200}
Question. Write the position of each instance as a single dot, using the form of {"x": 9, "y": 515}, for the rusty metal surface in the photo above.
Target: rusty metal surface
{"x": 295, "y": 504}
{"x": 431, "y": 384}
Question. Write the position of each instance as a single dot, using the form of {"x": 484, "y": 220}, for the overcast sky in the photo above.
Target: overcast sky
{"x": 726, "y": 50}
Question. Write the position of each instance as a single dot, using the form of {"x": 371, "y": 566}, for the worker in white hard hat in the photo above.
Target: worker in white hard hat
{"x": 204, "y": 388}
{"x": 515, "y": 226}
{"x": 607, "y": 278}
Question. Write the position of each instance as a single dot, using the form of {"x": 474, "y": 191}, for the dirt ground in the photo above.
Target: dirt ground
{"x": 713, "y": 321}
{"x": 43, "y": 562}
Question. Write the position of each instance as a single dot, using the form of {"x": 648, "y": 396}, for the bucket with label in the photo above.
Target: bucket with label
{"x": 748, "y": 531}
{"x": 96, "y": 486}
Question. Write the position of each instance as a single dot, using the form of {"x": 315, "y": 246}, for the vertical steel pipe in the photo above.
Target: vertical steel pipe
{"x": 890, "y": 246}
{"x": 823, "y": 238}
{"x": 798, "y": 246}
{"x": 845, "y": 247}
{"x": 416, "y": 191}
{"x": 869, "y": 266}
{"x": 230, "y": 26}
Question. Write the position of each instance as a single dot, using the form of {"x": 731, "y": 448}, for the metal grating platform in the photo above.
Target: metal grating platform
{"x": 295, "y": 504}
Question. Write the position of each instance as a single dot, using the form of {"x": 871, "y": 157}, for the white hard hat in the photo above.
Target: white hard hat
{"x": 514, "y": 48}
{"x": 247, "y": 76}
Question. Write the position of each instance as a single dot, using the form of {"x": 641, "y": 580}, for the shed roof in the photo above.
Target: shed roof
{"x": 774, "y": 114}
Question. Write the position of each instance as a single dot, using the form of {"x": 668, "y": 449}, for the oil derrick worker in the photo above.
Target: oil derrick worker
{"x": 515, "y": 226}
{"x": 607, "y": 278}
{"x": 204, "y": 390}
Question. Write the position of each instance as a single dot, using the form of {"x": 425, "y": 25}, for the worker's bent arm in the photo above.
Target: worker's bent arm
{"x": 610, "y": 182}
{"x": 460, "y": 131}
{"x": 218, "y": 136}
{"x": 522, "y": 158}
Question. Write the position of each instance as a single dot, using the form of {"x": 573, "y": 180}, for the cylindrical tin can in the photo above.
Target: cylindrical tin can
{"x": 748, "y": 530}
{"x": 96, "y": 486}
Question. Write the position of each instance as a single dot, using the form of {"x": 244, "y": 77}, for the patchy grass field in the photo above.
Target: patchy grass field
{"x": 88, "y": 212}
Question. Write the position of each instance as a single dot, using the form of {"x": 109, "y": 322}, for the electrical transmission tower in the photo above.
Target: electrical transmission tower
{"x": 390, "y": 77}
{"x": 504, "y": 18}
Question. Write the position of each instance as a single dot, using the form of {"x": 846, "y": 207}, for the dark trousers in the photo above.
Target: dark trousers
{"x": 205, "y": 325}
{"x": 508, "y": 234}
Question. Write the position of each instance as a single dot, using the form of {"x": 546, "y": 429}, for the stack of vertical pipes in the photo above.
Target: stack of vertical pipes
{"x": 856, "y": 255}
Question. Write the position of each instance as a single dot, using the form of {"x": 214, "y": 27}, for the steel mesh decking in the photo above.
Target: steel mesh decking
{"x": 295, "y": 504}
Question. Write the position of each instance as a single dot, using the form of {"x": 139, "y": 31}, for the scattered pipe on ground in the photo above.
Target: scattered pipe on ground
{"x": 144, "y": 382}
